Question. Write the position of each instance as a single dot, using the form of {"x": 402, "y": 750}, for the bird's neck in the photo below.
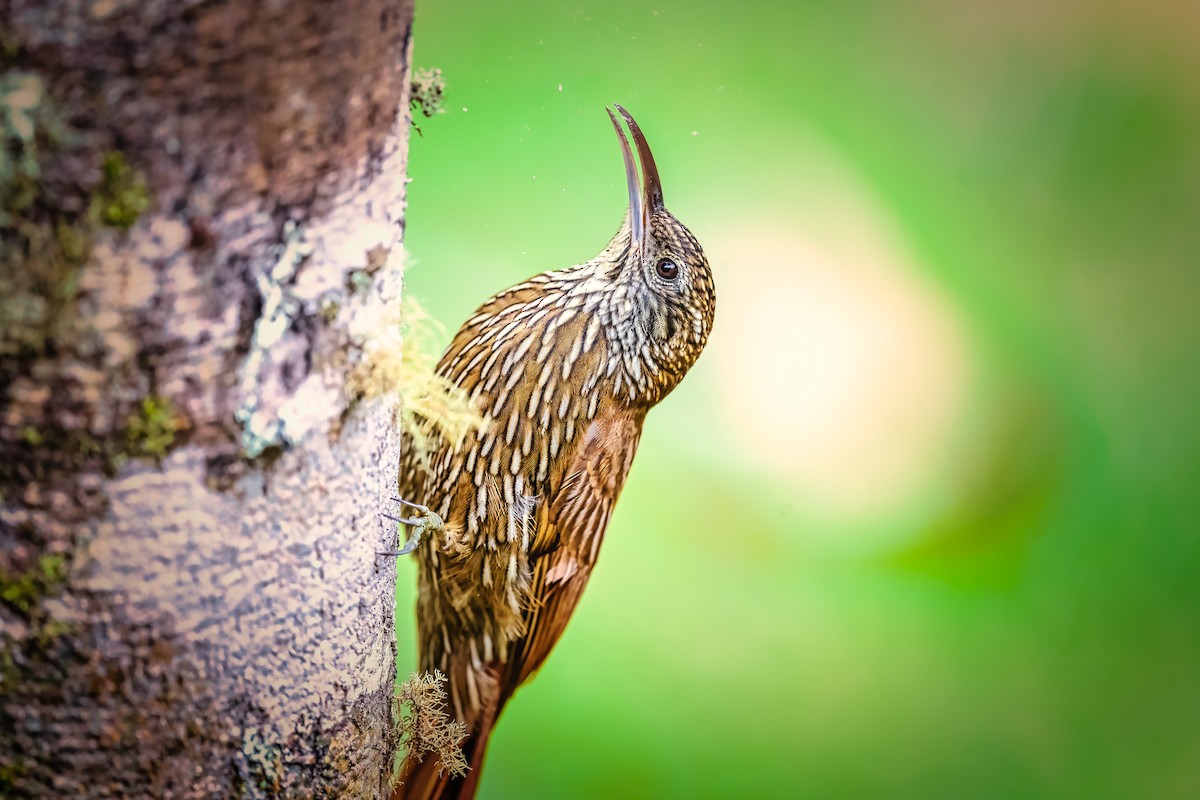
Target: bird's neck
{"x": 632, "y": 370}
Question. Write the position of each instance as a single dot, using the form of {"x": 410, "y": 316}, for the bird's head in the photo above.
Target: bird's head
{"x": 663, "y": 296}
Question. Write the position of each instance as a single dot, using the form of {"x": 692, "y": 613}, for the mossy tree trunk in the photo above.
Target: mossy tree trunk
{"x": 201, "y": 207}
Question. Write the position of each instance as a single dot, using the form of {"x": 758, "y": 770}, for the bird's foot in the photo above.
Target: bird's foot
{"x": 422, "y": 521}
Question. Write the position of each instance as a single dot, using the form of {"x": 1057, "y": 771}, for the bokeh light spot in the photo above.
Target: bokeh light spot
{"x": 843, "y": 371}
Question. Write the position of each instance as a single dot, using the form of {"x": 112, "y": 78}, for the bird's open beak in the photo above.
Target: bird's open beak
{"x": 650, "y": 199}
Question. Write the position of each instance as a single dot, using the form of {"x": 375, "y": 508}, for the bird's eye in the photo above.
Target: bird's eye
{"x": 666, "y": 269}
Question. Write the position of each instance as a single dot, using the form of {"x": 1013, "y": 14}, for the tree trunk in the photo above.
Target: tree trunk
{"x": 201, "y": 207}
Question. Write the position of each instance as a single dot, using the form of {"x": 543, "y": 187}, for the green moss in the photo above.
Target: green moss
{"x": 24, "y": 591}
{"x": 51, "y": 210}
{"x": 74, "y": 244}
{"x": 153, "y": 428}
{"x": 30, "y": 129}
{"x": 428, "y": 91}
{"x": 121, "y": 196}
{"x": 10, "y": 774}
{"x": 44, "y": 240}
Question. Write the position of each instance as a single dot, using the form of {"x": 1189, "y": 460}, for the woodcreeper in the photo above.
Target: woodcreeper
{"x": 563, "y": 369}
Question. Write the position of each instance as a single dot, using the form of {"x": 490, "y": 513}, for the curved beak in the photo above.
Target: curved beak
{"x": 650, "y": 199}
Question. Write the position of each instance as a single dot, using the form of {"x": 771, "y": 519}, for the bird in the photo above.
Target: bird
{"x": 508, "y": 523}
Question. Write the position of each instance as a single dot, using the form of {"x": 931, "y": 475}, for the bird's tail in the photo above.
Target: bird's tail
{"x": 425, "y": 780}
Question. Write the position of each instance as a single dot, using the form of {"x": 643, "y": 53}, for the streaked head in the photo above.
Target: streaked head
{"x": 662, "y": 272}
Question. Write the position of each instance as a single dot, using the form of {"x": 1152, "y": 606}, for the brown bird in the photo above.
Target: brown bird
{"x": 563, "y": 369}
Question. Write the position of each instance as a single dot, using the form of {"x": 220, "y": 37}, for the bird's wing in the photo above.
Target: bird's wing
{"x": 578, "y": 514}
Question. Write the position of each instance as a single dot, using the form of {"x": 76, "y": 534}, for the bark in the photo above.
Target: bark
{"x": 201, "y": 209}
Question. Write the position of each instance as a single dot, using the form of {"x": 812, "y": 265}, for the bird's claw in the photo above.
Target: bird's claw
{"x": 426, "y": 519}
{"x": 415, "y": 506}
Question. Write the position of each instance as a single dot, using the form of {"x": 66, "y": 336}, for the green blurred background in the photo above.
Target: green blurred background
{"x": 923, "y": 520}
